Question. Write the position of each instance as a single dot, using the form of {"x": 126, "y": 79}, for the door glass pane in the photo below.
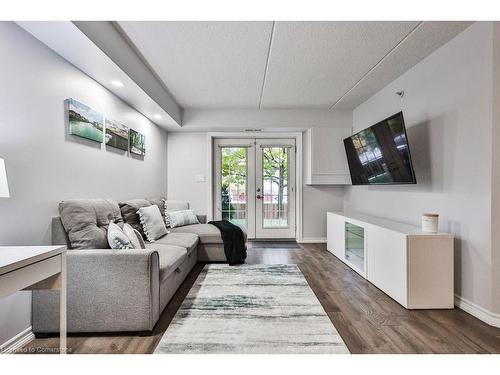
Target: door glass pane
{"x": 234, "y": 184}
{"x": 275, "y": 187}
{"x": 355, "y": 245}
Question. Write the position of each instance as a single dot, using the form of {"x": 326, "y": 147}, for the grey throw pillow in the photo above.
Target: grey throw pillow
{"x": 181, "y": 218}
{"x": 129, "y": 212}
{"x": 141, "y": 240}
{"x": 86, "y": 221}
{"x": 117, "y": 239}
{"x": 152, "y": 222}
{"x": 134, "y": 236}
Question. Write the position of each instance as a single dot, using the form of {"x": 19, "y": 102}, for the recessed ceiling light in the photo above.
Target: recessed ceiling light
{"x": 157, "y": 117}
{"x": 117, "y": 83}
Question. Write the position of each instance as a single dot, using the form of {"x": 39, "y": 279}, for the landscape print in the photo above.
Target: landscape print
{"x": 84, "y": 121}
{"x": 137, "y": 143}
{"x": 116, "y": 134}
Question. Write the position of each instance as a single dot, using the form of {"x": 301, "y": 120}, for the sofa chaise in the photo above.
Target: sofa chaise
{"x": 119, "y": 290}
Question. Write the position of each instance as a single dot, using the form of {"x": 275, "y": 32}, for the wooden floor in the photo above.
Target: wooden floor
{"x": 367, "y": 319}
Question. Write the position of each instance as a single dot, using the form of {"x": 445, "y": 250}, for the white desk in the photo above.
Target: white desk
{"x": 33, "y": 268}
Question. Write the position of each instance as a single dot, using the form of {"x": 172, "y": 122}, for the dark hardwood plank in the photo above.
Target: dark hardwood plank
{"x": 367, "y": 319}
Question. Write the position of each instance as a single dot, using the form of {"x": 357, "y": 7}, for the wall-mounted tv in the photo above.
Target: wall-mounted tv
{"x": 380, "y": 155}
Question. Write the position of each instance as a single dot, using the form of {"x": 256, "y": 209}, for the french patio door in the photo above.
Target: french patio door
{"x": 255, "y": 185}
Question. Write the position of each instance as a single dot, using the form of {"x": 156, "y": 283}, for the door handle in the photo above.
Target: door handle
{"x": 259, "y": 196}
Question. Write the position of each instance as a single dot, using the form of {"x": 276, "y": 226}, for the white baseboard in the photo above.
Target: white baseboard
{"x": 18, "y": 341}
{"x": 313, "y": 240}
{"x": 479, "y": 312}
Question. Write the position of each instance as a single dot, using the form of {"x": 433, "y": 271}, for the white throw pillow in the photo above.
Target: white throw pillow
{"x": 181, "y": 218}
{"x": 134, "y": 236}
{"x": 152, "y": 222}
{"x": 117, "y": 239}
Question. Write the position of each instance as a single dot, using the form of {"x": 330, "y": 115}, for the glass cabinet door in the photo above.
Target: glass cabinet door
{"x": 355, "y": 246}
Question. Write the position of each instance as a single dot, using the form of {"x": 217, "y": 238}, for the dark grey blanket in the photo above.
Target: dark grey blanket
{"x": 234, "y": 241}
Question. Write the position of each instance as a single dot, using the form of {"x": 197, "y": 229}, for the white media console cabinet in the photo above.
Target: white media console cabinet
{"x": 413, "y": 267}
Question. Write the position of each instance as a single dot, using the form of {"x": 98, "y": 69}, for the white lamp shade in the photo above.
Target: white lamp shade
{"x": 4, "y": 186}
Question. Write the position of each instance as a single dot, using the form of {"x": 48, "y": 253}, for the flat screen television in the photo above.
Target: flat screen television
{"x": 380, "y": 155}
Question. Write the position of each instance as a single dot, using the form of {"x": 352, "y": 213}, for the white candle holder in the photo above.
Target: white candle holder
{"x": 430, "y": 223}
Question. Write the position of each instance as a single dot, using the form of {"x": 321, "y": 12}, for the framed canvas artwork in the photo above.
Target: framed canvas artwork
{"x": 116, "y": 134}
{"x": 137, "y": 143}
{"x": 84, "y": 121}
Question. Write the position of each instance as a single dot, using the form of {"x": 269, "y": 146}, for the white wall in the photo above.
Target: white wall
{"x": 316, "y": 202}
{"x": 448, "y": 111}
{"x": 187, "y": 157}
{"x": 45, "y": 165}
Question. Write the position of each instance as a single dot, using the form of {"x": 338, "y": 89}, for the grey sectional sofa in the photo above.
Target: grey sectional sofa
{"x": 119, "y": 290}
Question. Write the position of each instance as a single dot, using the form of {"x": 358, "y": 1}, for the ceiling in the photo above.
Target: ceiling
{"x": 281, "y": 65}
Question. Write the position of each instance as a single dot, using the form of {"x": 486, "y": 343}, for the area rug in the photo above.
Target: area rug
{"x": 256, "y": 309}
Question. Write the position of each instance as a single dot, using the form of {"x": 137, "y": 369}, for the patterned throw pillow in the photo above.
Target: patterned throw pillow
{"x": 117, "y": 239}
{"x": 152, "y": 222}
{"x": 170, "y": 206}
{"x": 181, "y": 218}
{"x": 134, "y": 236}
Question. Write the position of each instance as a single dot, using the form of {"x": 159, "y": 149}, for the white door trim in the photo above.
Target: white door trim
{"x": 298, "y": 168}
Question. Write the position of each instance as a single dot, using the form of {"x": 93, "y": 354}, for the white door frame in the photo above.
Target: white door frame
{"x": 298, "y": 168}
